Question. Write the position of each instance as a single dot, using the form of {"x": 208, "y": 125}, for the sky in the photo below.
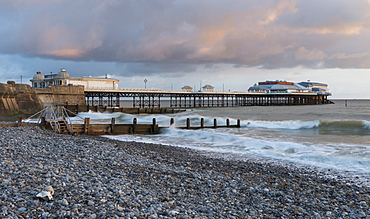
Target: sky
{"x": 229, "y": 44}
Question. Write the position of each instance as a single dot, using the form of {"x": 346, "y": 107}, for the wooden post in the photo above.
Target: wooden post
{"x": 202, "y": 122}
{"x": 227, "y": 122}
{"x": 188, "y": 123}
{"x": 134, "y": 122}
{"x": 215, "y": 123}
{"x": 153, "y": 125}
{"x": 77, "y": 109}
{"x": 238, "y": 122}
{"x": 112, "y": 124}
{"x": 87, "y": 126}
{"x": 172, "y": 121}
{"x": 19, "y": 121}
{"x": 43, "y": 122}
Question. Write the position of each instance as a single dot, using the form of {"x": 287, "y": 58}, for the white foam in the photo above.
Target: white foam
{"x": 287, "y": 124}
{"x": 366, "y": 124}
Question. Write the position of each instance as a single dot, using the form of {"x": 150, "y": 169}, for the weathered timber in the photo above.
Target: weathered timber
{"x": 19, "y": 123}
{"x": 89, "y": 128}
{"x": 202, "y": 126}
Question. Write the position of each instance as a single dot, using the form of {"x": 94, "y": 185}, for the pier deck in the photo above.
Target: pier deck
{"x": 152, "y": 98}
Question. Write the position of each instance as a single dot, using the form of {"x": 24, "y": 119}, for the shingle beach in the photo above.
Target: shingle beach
{"x": 95, "y": 177}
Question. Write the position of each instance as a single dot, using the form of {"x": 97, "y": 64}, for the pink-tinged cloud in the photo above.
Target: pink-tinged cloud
{"x": 265, "y": 33}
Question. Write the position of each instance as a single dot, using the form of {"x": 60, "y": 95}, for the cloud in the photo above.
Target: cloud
{"x": 177, "y": 36}
{"x": 315, "y": 54}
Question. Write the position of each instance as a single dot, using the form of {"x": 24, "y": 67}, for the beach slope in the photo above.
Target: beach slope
{"x": 94, "y": 177}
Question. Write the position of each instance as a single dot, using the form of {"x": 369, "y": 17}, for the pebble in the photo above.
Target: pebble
{"x": 94, "y": 177}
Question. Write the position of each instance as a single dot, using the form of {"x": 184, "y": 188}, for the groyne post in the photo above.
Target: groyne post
{"x": 112, "y": 125}
{"x": 188, "y": 123}
{"x": 215, "y": 123}
{"x": 238, "y": 123}
{"x": 172, "y": 121}
{"x": 227, "y": 122}
{"x": 43, "y": 122}
{"x": 19, "y": 121}
{"x": 153, "y": 125}
{"x": 202, "y": 122}
{"x": 87, "y": 126}
{"x": 134, "y": 122}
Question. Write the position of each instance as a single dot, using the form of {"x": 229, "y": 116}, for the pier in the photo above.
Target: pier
{"x": 153, "y": 98}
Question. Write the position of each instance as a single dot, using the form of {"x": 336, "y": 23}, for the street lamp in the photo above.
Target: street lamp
{"x": 145, "y": 82}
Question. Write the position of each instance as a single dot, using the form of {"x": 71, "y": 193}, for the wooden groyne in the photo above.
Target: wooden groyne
{"x": 115, "y": 129}
{"x": 202, "y": 125}
{"x": 89, "y": 128}
{"x": 18, "y": 123}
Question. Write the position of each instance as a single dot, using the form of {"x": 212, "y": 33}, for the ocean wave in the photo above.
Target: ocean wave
{"x": 288, "y": 124}
{"x": 338, "y": 125}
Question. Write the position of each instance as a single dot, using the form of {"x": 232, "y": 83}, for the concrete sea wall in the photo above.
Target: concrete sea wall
{"x": 62, "y": 95}
{"x": 18, "y": 98}
{"x": 23, "y": 99}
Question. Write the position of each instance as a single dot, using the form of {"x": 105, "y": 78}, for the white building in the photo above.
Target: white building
{"x": 289, "y": 87}
{"x": 63, "y": 78}
{"x": 277, "y": 87}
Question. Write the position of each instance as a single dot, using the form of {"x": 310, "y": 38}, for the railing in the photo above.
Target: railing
{"x": 57, "y": 116}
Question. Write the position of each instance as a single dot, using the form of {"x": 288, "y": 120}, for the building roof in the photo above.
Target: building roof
{"x": 277, "y": 86}
{"x": 38, "y": 76}
{"x": 207, "y": 86}
{"x": 63, "y": 74}
{"x": 310, "y": 84}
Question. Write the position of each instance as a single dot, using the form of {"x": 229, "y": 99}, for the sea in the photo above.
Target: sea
{"x": 332, "y": 136}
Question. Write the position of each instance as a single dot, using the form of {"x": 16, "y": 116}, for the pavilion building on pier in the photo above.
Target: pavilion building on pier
{"x": 279, "y": 86}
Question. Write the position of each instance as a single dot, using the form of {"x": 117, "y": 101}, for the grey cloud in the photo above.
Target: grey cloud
{"x": 161, "y": 36}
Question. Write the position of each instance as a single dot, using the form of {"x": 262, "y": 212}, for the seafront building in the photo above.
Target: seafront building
{"x": 279, "y": 86}
{"x": 63, "y": 78}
